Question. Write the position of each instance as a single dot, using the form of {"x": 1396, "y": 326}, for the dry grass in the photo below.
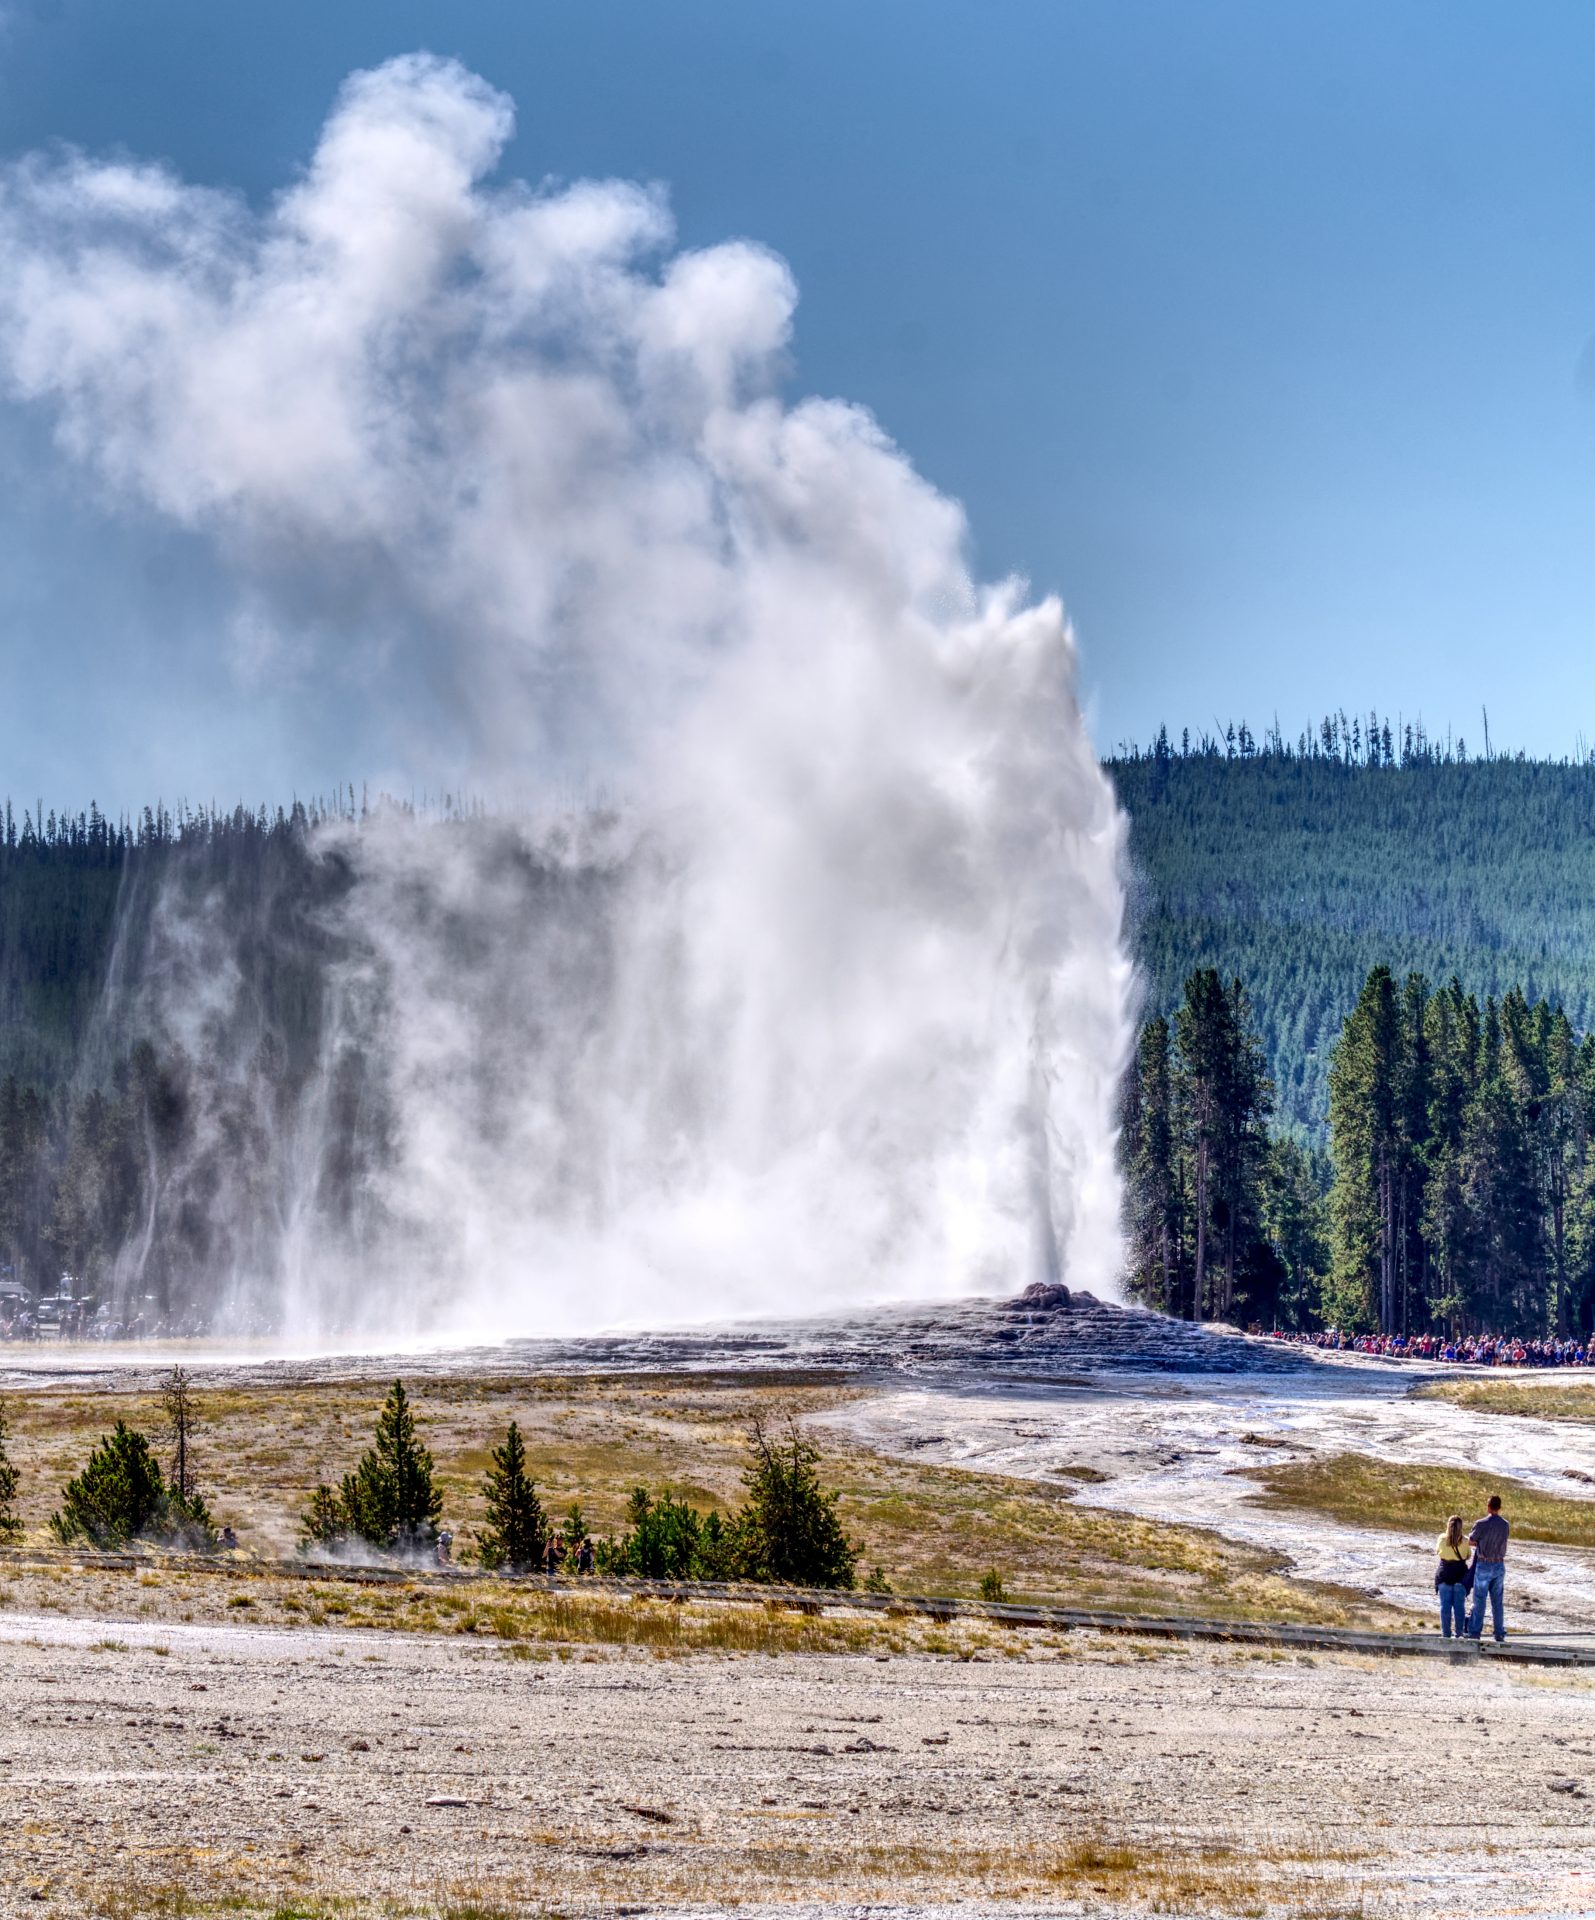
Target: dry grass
{"x": 1183, "y": 1875}
{"x": 1379, "y": 1493}
{"x": 527, "y": 1620}
{"x": 931, "y": 1528}
{"x": 1136, "y": 1873}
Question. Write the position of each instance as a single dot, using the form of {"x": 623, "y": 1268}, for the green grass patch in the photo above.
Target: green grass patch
{"x": 1417, "y": 1499}
{"x": 1562, "y": 1397}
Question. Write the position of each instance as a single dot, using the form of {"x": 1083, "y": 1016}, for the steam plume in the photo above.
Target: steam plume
{"x": 833, "y": 1007}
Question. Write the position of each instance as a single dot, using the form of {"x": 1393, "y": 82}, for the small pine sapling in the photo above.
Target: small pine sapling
{"x": 516, "y": 1535}
{"x": 391, "y": 1499}
{"x": 324, "y": 1523}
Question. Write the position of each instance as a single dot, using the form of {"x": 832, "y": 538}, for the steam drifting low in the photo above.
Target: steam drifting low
{"x": 831, "y": 1007}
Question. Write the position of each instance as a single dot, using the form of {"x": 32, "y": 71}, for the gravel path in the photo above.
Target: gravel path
{"x": 435, "y": 1773}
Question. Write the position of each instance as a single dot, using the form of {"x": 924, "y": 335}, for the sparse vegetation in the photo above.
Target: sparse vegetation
{"x": 1203, "y": 1875}
{"x": 932, "y": 1528}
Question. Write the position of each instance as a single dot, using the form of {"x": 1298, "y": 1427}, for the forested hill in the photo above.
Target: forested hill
{"x": 1300, "y": 868}
{"x": 75, "y": 896}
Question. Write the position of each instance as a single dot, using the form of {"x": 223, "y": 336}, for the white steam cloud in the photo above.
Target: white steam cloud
{"x": 836, "y": 1010}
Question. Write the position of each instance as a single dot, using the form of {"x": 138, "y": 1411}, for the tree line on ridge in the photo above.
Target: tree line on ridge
{"x": 1299, "y": 864}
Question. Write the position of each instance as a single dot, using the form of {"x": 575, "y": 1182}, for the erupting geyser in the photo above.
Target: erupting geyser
{"x": 831, "y": 1005}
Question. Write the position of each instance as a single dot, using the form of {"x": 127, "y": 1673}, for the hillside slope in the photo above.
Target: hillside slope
{"x": 1299, "y": 873}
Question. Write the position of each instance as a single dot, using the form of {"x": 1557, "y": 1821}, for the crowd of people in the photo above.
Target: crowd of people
{"x": 22, "y": 1319}
{"x": 1471, "y": 1350}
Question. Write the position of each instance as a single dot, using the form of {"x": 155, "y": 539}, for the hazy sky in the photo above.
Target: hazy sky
{"x": 1265, "y": 334}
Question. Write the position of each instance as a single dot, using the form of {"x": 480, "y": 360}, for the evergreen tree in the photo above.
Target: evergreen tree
{"x": 1202, "y": 1085}
{"x": 1451, "y": 1031}
{"x": 790, "y": 1531}
{"x": 1412, "y": 1098}
{"x": 177, "y": 1403}
{"x": 665, "y": 1539}
{"x": 1243, "y": 1143}
{"x": 1364, "y": 1121}
{"x": 516, "y": 1534}
{"x": 325, "y": 1523}
{"x": 1562, "y": 1143}
{"x": 787, "y": 1532}
{"x": 390, "y": 1500}
{"x": 10, "y": 1480}
{"x": 1220, "y": 1099}
{"x": 1152, "y": 1172}
{"x": 1295, "y": 1218}
{"x": 120, "y": 1496}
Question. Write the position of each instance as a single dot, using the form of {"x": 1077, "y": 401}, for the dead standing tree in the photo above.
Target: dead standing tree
{"x": 178, "y": 1404}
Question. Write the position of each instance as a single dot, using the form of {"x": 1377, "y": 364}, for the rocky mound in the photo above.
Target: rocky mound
{"x": 1049, "y": 1331}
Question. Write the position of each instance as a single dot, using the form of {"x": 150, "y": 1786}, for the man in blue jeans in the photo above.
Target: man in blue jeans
{"x": 1489, "y": 1537}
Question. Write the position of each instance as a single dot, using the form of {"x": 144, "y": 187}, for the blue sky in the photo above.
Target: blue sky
{"x": 1265, "y": 334}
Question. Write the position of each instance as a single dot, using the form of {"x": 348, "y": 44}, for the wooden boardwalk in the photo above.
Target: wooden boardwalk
{"x": 1519, "y": 1648}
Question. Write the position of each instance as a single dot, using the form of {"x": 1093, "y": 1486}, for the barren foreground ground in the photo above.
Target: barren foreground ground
{"x": 205, "y": 1768}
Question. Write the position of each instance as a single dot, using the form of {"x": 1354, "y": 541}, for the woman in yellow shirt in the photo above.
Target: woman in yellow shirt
{"x": 1453, "y": 1577}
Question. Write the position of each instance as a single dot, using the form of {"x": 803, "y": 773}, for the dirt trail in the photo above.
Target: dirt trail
{"x": 252, "y": 1765}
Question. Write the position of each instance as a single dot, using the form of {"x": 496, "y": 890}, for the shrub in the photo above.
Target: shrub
{"x": 991, "y": 1587}
{"x": 667, "y": 1539}
{"x": 10, "y": 1479}
{"x": 390, "y": 1500}
{"x": 516, "y": 1533}
{"x": 877, "y": 1582}
{"x": 121, "y": 1496}
{"x": 787, "y": 1532}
